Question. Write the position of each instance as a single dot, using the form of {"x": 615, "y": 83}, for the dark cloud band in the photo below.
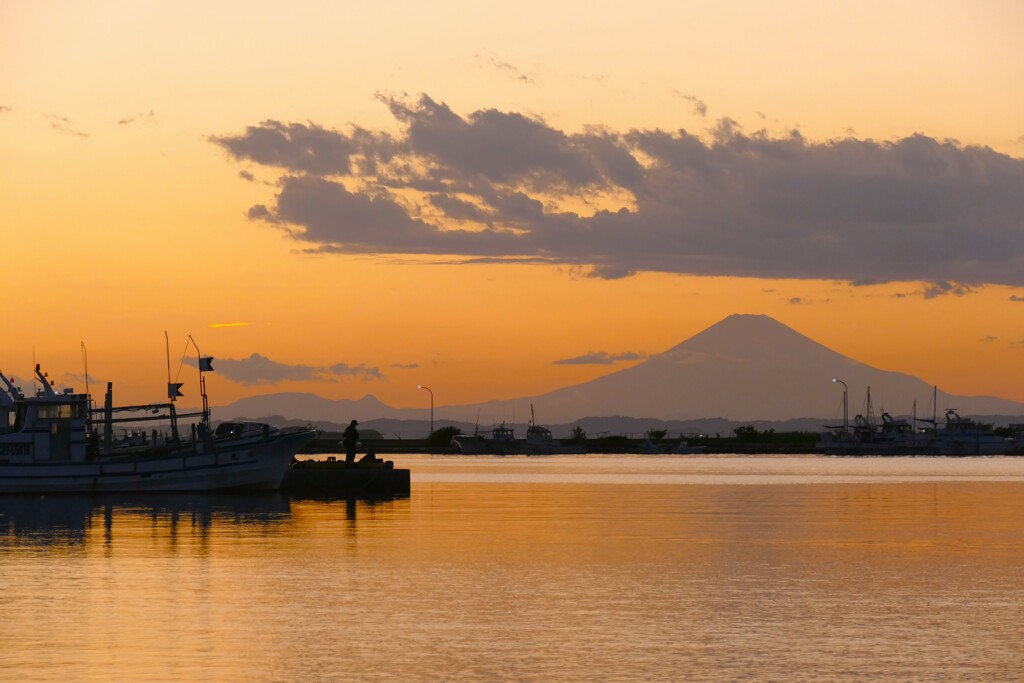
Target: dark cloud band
{"x": 507, "y": 187}
{"x": 257, "y": 369}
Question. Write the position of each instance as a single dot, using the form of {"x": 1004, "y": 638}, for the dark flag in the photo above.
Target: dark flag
{"x": 206, "y": 364}
{"x": 174, "y": 389}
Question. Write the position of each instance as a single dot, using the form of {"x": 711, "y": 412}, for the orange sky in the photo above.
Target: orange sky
{"x": 124, "y": 218}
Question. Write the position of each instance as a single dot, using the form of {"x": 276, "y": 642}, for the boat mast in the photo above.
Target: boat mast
{"x": 108, "y": 419}
{"x": 203, "y": 364}
{"x": 85, "y": 363}
{"x": 172, "y": 392}
{"x": 870, "y": 411}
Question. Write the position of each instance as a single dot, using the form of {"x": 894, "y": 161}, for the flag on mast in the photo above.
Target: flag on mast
{"x": 174, "y": 390}
{"x": 206, "y": 364}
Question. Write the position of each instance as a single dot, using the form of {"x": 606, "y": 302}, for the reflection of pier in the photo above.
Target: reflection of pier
{"x": 69, "y": 519}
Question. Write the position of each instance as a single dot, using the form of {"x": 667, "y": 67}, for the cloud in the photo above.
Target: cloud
{"x": 143, "y": 118}
{"x": 507, "y": 187}
{"x": 699, "y": 108}
{"x": 360, "y": 371}
{"x": 62, "y": 124}
{"x": 1014, "y": 297}
{"x": 601, "y": 358}
{"x": 511, "y": 70}
{"x": 405, "y": 366}
{"x": 4, "y": 109}
{"x": 943, "y": 287}
{"x": 294, "y": 146}
{"x": 796, "y": 300}
{"x": 257, "y": 369}
{"x": 988, "y": 339}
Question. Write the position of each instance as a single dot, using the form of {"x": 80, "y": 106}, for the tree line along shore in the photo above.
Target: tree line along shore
{"x": 742, "y": 440}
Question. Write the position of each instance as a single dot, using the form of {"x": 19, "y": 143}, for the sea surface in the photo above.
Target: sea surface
{"x": 559, "y": 568}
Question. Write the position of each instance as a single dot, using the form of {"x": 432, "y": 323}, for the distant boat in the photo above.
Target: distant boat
{"x": 502, "y": 441}
{"x": 684, "y": 447}
{"x": 892, "y": 436}
{"x": 964, "y": 436}
{"x": 53, "y": 443}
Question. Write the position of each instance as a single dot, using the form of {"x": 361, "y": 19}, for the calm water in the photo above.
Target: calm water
{"x": 567, "y": 568}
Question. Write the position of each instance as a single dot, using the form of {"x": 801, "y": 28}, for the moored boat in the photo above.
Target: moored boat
{"x": 897, "y": 436}
{"x": 502, "y": 441}
{"x": 59, "y": 443}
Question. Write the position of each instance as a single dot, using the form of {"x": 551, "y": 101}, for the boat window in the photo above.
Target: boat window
{"x": 56, "y": 411}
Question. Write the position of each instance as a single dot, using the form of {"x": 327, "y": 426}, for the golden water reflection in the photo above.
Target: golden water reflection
{"x": 524, "y": 580}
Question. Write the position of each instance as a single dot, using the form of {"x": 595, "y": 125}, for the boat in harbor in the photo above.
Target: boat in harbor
{"x": 964, "y": 436}
{"x": 502, "y": 441}
{"x": 58, "y": 442}
{"x": 899, "y": 436}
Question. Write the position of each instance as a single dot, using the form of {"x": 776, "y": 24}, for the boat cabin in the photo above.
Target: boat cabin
{"x": 46, "y": 427}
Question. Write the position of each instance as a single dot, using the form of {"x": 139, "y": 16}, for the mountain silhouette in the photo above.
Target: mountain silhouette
{"x": 305, "y": 406}
{"x": 745, "y": 367}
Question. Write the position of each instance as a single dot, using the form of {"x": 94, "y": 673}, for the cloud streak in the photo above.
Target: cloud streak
{"x": 601, "y": 358}
{"x": 257, "y": 369}
{"x": 699, "y": 108}
{"x": 140, "y": 117}
{"x": 64, "y": 125}
{"x": 510, "y": 69}
{"x": 498, "y": 186}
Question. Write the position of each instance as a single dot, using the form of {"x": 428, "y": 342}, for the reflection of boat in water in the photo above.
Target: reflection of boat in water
{"x": 51, "y": 442}
{"x": 66, "y": 519}
{"x": 898, "y": 436}
{"x": 502, "y": 441}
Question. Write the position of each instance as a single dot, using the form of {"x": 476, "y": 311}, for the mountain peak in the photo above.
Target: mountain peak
{"x": 742, "y": 333}
{"x": 740, "y": 323}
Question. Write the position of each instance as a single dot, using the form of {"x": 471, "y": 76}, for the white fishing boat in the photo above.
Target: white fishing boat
{"x": 58, "y": 442}
{"x": 502, "y": 441}
{"x": 898, "y": 436}
{"x": 964, "y": 436}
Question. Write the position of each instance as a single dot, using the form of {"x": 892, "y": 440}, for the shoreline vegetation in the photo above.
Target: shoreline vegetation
{"x": 742, "y": 440}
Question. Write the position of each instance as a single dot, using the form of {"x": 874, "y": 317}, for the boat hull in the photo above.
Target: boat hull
{"x": 244, "y": 467}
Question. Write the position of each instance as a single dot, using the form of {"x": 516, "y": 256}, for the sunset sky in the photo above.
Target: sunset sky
{"x": 498, "y": 201}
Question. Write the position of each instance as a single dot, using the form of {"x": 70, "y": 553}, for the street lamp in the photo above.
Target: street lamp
{"x": 420, "y": 386}
{"x": 846, "y": 392}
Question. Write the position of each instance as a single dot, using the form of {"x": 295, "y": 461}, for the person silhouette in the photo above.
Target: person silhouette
{"x": 349, "y": 439}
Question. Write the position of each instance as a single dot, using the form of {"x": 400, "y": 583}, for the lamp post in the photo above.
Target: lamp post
{"x": 846, "y": 391}
{"x": 431, "y": 406}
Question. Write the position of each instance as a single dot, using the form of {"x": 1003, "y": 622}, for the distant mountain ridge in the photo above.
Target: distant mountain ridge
{"x": 305, "y": 406}
{"x": 743, "y": 368}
